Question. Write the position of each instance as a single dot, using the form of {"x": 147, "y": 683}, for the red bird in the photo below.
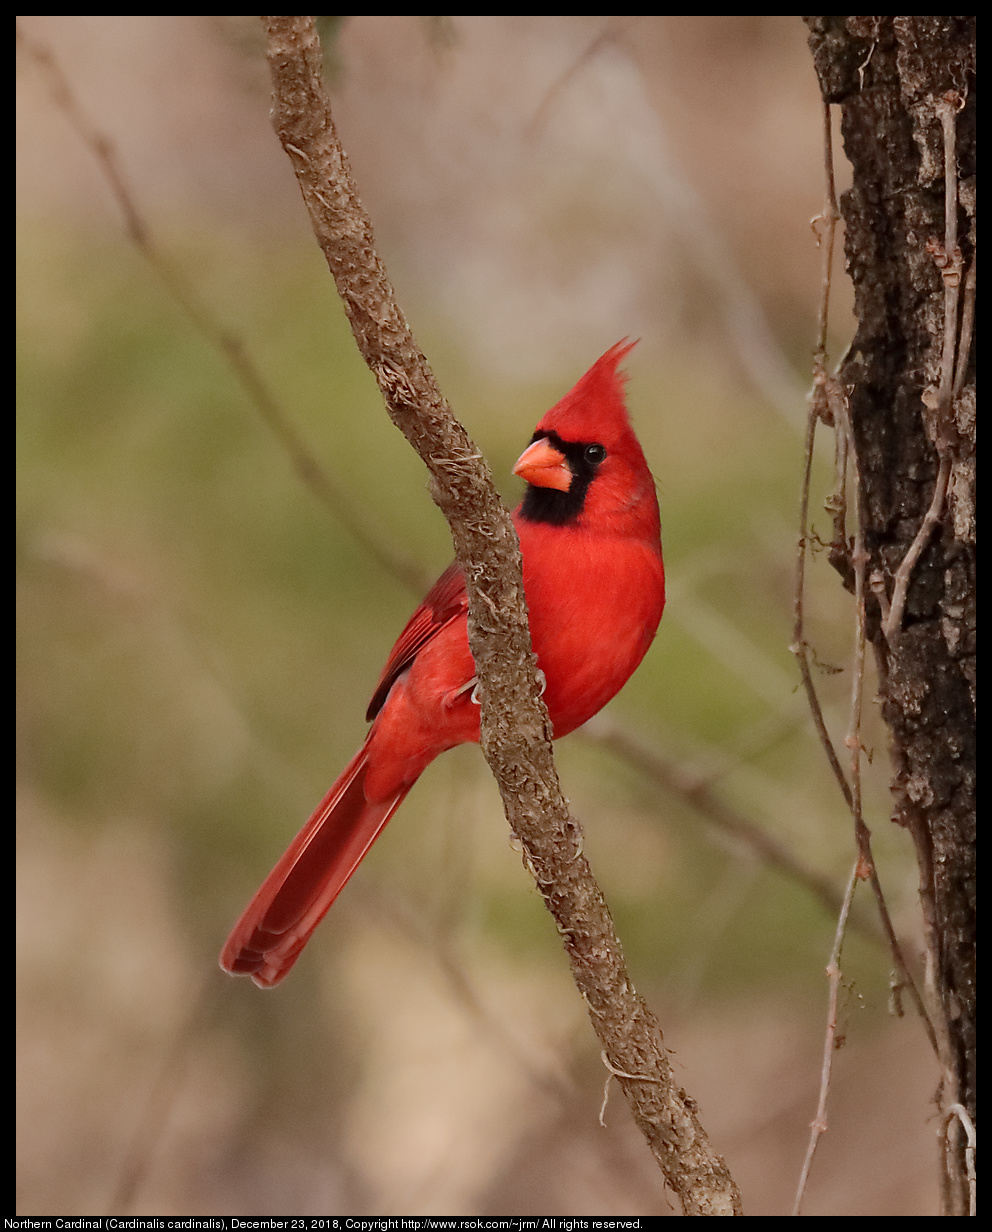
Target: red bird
{"x": 595, "y": 586}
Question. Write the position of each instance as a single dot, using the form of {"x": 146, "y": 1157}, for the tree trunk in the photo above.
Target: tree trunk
{"x": 906, "y": 89}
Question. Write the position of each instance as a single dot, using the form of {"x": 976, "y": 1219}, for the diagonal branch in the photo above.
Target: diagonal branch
{"x": 515, "y": 729}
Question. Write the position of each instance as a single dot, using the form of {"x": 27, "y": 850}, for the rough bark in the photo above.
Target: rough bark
{"x": 906, "y": 90}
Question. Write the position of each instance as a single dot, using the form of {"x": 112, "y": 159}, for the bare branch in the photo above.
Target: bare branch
{"x": 515, "y": 728}
{"x": 823, "y": 400}
{"x": 958, "y": 1120}
{"x": 818, "y": 1126}
{"x": 949, "y": 260}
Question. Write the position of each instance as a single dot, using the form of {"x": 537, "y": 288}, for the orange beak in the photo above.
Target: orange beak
{"x": 544, "y": 466}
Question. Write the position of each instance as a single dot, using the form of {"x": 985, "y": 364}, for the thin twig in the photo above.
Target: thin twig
{"x": 853, "y": 741}
{"x": 818, "y": 1126}
{"x": 831, "y": 217}
{"x": 821, "y": 400}
{"x": 836, "y": 501}
{"x": 948, "y": 258}
{"x": 967, "y": 325}
{"x": 956, "y": 1115}
{"x": 868, "y": 867}
{"x": 864, "y": 865}
{"x": 893, "y": 610}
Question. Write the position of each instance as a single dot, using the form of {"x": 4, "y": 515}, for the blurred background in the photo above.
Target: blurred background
{"x": 199, "y": 633}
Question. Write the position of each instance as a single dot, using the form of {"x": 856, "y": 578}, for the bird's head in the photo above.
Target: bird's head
{"x": 584, "y": 465}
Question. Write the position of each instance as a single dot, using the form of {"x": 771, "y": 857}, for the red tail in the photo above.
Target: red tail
{"x": 296, "y": 895}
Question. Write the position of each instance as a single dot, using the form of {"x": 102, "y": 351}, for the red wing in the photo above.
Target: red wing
{"x": 445, "y": 601}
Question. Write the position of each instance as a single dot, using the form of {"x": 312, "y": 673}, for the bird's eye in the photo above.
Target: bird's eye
{"x": 594, "y": 454}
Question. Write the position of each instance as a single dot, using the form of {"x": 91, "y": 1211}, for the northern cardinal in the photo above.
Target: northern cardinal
{"x": 595, "y": 586}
